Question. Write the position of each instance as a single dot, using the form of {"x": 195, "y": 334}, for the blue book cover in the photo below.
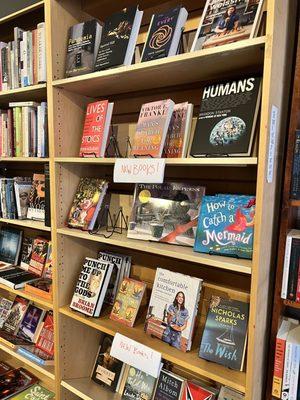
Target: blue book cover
{"x": 225, "y": 225}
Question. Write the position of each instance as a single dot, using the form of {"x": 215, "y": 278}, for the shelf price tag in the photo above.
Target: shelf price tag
{"x": 139, "y": 170}
{"x": 136, "y": 354}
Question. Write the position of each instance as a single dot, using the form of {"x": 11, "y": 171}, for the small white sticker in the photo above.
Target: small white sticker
{"x": 145, "y": 170}
{"x": 272, "y": 143}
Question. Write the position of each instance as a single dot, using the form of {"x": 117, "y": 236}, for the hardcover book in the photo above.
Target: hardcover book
{"x": 36, "y": 209}
{"x": 96, "y": 129}
{"x": 173, "y": 308}
{"x": 197, "y": 391}
{"x": 5, "y": 307}
{"x": 118, "y": 39}
{"x": 128, "y": 301}
{"x": 26, "y": 252}
{"x": 10, "y": 246}
{"x": 138, "y": 385}
{"x": 45, "y": 341}
{"x": 225, "y": 333}
{"x": 169, "y": 386}
{"x": 226, "y": 393}
{"x": 226, "y": 225}
{"x": 166, "y": 212}
{"x": 15, "y": 315}
{"x": 91, "y": 287}
{"x": 16, "y": 277}
{"x": 15, "y": 381}
{"x": 38, "y": 256}
{"x": 87, "y": 203}
{"x": 227, "y": 118}
{"x": 107, "y": 369}
{"x": 82, "y": 46}
{"x": 164, "y": 34}
{"x": 226, "y": 22}
{"x": 178, "y": 133}
{"x": 22, "y": 192}
{"x": 151, "y": 129}
{"x": 35, "y": 392}
{"x": 30, "y": 325}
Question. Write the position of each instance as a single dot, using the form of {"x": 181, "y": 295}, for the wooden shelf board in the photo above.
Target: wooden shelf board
{"x": 173, "y": 251}
{"x": 23, "y": 11}
{"x": 21, "y": 292}
{"x": 292, "y": 304}
{"x": 27, "y": 223}
{"x": 47, "y": 371}
{"x": 35, "y": 92}
{"x": 87, "y": 389}
{"x": 180, "y": 69}
{"x": 24, "y": 159}
{"x": 190, "y": 360}
{"x": 205, "y": 161}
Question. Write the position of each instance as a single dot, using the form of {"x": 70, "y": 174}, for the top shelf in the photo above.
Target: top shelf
{"x": 180, "y": 69}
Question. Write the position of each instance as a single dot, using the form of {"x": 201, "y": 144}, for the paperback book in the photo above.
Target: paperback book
{"x": 38, "y": 256}
{"x": 138, "y": 385}
{"x": 35, "y": 392}
{"x": 173, "y": 308}
{"x": 15, "y": 381}
{"x": 227, "y": 119}
{"x": 26, "y": 252}
{"x": 15, "y": 315}
{"x": 225, "y": 226}
{"x": 169, "y": 386}
{"x": 30, "y": 325}
{"x": 5, "y": 307}
{"x": 197, "y": 391}
{"x": 45, "y": 341}
{"x": 225, "y": 333}
{"x": 91, "y": 286}
{"x": 36, "y": 209}
{"x": 166, "y": 212}
{"x": 10, "y": 246}
{"x": 128, "y": 301}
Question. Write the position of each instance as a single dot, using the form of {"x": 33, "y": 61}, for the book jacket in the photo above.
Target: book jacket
{"x": 15, "y": 381}
{"x": 169, "y": 386}
{"x": 30, "y": 323}
{"x": 16, "y": 314}
{"x": 138, "y": 385}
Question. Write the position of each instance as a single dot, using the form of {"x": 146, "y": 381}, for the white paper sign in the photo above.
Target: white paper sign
{"x": 272, "y": 143}
{"x": 136, "y": 354}
{"x": 137, "y": 170}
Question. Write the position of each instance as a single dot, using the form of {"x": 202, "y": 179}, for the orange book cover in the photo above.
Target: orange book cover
{"x": 151, "y": 130}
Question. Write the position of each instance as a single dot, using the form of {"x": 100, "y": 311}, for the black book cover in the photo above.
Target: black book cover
{"x": 115, "y": 39}
{"x": 10, "y": 245}
{"x": 227, "y": 118}
{"x": 225, "y": 333}
{"x": 295, "y": 183}
{"x": 160, "y": 35}
{"x": 293, "y": 270}
{"x": 47, "y": 196}
{"x": 169, "y": 386}
{"x": 82, "y": 46}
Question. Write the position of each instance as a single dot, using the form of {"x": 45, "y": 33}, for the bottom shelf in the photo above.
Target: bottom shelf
{"x": 86, "y": 389}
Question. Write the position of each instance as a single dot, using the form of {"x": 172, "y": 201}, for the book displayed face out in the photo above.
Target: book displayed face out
{"x": 10, "y": 244}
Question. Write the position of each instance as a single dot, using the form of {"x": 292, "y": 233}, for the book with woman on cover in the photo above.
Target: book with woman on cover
{"x": 227, "y": 119}
{"x": 225, "y": 333}
{"x": 225, "y": 22}
{"x": 173, "y": 308}
{"x": 166, "y": 212}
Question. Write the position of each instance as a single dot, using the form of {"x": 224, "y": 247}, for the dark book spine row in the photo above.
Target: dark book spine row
{"x": 295, "y": 183}
{"x": 293, "y": 270}
{"x": 47, "y": 196}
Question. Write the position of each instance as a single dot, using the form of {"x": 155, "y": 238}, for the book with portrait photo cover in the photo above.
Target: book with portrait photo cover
{"x": 224, "y": 22}
{"x": 91, "y": 286}
{"x": 173, "y": 308}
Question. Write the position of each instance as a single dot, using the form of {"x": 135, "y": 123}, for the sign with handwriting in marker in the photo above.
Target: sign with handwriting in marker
{"x": 136, "y": 354}
{"x": 136, "y": 170}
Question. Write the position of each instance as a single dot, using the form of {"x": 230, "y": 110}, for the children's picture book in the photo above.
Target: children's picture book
{"x": 226, "y": 225}
{"x": 35, "y": 392}
{"x": 15, "y": 381}
{"x": 173, "y": 308}
{"x": 151, "y": 129}
{"x": 169, "y": 386}
{"x": 227, "y": 119}
{"x": 128, "y": 301}
{"x": 15, "y": 315}
{"x": 166, "y": 212}
{"x": 107, "y": 369}
{"x": 224, "y": 22}
{"x": 138, "y": 385}
{"x": 38, "y": 256}
{"x": 30, "y": 325}
{"x": 91, "y": 286}
{"x": 5, "y": 307}
{"x": 86, "y": 203}
{"x": 225, "y": 333}
{"x": 36, "y": 208}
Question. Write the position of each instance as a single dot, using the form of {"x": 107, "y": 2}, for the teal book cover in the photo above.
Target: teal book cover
{"x": 225, "y": 333}
{"x": 225, "y": 226}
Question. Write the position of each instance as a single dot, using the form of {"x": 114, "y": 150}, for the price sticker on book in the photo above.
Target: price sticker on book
{"x": 136, "y": 354}
{"x": 136, "y": 170}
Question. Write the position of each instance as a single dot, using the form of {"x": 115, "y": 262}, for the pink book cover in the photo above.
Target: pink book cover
{"x": 175, "y": 137}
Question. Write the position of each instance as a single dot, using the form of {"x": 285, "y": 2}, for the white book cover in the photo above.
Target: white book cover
{"x": 41, "y": 46}
{"x": 173, "y": 307}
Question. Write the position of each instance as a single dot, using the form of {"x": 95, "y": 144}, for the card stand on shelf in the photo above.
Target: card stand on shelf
{"x": 114, "y": 224}
{"x": 113, "y": 143}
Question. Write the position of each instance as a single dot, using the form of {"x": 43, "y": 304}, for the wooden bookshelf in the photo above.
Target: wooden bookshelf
{"x": 86, "y": 389}
{"x": 27, "y": 223}
{"x": 24, "y": 159}
{"x": 34, "y": 93}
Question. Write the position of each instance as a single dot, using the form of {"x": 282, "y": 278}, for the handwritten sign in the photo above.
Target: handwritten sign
{"x": 136, "y": 354}
{"x": 272, "y": 143}
{"x": 136, "y": 170}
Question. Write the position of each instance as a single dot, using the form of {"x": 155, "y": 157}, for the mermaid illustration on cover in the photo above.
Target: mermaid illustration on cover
{"x": 177, "y": 318}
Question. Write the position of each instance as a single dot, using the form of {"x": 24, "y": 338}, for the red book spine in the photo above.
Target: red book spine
{"x": 278, "y": 367}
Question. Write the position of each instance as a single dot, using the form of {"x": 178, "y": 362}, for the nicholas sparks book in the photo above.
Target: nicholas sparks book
{"x": 226, "y": 225}
{"x": 128, "y": 301}
{"x": 138, "y": 385}
{"x": 225, "y": 333}
{"x": 173, "y": 308}
{"x": 87, "y": 203}
{"x": 166, "y": 212}
{"x": 152, "y": 127}
{"x": 225, "y": 22}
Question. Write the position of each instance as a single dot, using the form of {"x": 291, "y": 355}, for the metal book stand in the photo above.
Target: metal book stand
{"x": 114, "y": 224}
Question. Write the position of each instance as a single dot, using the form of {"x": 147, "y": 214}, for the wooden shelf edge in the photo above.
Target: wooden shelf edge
{"x": 47, "y": 371}
{"x": 26, "y": 89}
{"x": 21, "y": 292}
{"x": 23, "y": 11}
{"x": 86, "y": 389}
{"x": 24, "y": 159}
{"x": 27, "y": 223}
{"x": 189, "y": 361}
{"x": 166, "y": 250}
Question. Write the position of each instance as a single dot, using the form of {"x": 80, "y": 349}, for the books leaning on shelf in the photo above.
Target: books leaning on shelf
{"x": 172, "y": 313}
{"x": 23, "y": 60}
{"x": 225, "y": 333}
{"x": 224, "y": 22}
{"x": 290, "y": 289}
{"x": 14, "y": 382}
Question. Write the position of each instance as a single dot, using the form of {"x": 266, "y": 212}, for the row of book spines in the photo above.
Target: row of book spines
{"x": 290, "y": 289}
{"x": 23, "y": 61}
{"x": 23, "y": 132}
